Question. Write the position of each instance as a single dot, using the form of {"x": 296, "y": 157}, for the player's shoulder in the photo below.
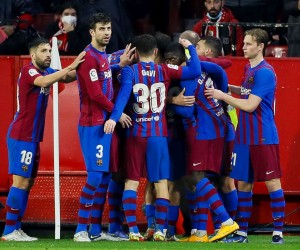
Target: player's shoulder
{"x": 29, "y": 70}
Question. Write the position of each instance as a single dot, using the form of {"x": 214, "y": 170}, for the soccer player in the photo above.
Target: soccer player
{"x": 145, "y": 85}
{"x": 96, "y": 91}
{"x": 206, "y": 136}
{"x": 26, "y": 131}
{"x": 256, "y": 150}
{"x": 210, "y": 48}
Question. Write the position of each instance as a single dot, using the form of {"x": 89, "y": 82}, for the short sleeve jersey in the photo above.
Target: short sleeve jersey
{"x": 29, "y": 121}
{"x": 258, "y": 127}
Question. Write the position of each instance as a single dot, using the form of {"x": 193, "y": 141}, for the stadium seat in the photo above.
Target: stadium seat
{"x": 276, "y": 51}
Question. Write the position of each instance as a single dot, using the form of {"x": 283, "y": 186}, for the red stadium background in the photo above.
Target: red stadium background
{"x": 72, "y": 174}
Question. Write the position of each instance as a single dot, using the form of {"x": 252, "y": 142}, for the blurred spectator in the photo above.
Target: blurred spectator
{"x": 216, "y": 13}
{"x": 15, "y": 26}
{"x": 121, "y": 25}
{"x": 72, "y": 37}
{"x": 292, "y": 8}
{"x": 247, "y": 10}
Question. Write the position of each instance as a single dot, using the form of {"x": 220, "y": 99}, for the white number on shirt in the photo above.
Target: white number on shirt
{"x": 148, "y": 98}
{"x": 26, "y": 157}
{"x": 233, "y": 159}
{"x": 100, "y": 151}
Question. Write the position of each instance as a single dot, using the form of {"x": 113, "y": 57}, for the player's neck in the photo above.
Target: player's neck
{"x": 146, "y": 59}
{"x": 256, "y": 60}
{"x": 98, "y": 47}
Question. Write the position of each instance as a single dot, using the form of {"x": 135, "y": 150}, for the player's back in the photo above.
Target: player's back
{"x": 146, "y": 105}
{"x": 209, "y": 113}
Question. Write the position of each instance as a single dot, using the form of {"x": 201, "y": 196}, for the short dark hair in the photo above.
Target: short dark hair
{"x": 145, "y": 44}
{"x": 33, "y": 44}
{"x": 176, "y": 50}
{"x": 162, "y": 41}
{"x": 67, "y": 5}
{"x": 260, "y": 36}
{"x": 214, "y": 44}
{"x": 99, "y": 18}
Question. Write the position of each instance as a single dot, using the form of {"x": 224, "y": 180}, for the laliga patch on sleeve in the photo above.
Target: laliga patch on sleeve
{"x": 32, "y": 72}
{"x": 93, "y": 75}
{"x": 171, "y": 66}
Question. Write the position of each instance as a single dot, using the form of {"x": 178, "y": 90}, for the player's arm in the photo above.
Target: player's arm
{"x": 190, "y": 88}
{"x": 121, "y": 101}
{"x": 248, "y": 105}
{"x": 88, "y": 72}
{"x": 61, "y": 75}
{"x": 193, "y": 68}
{"x": 259, "y": 91}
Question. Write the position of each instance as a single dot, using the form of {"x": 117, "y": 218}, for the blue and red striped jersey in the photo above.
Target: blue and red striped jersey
{"x": 29, "y": 121}
{"x": 211, "y": 120}
{"x": 94, "y": 78}
{"x": 143, "y": 88}
{"x": 258, "y": 127}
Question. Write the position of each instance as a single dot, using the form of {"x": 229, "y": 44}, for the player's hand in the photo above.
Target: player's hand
{"x": 109, "y": 126}
{"x": 183, "y": 100}
{"x": 125, "y": 121}
{"x": 184, "y": 42}
{"x": 214, "y": 93}
{"x": 128, "y": 56}
{"x": 79, "y": 59}
{"x": 8, "y": 29}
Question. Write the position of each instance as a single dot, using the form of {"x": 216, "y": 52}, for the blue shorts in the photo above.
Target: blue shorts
{"x": 23, "y": 158}
{"x": 95, "y": 146}
{"x": 154, "y": 150}
{"x": 250, "y": 163}
{"x": 177, "y": 159}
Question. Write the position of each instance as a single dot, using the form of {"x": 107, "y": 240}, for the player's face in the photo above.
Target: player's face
{"x": 172, "y": 59}
{"x": 42, "y": 56}
{"x": 201, "y": 48}
{"x": 251, "y": 48}
{"x": 213, "y": 7}
{"x": 102, "y": 34}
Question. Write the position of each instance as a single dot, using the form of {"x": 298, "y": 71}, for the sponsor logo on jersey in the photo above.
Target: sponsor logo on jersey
{"x": 32, "y": 72}
{"x": 171, "y": 66}
{"x": 220, "y": 112}
{"x": 147, "y": 119}
{"x": 107, "y": 74}
{"x": 245, "y": 91}
{"x": 45, "y": 90}
{"x": 93, "y": 75}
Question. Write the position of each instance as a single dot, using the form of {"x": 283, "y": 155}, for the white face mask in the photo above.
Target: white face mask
{"x": 69, "y": 20}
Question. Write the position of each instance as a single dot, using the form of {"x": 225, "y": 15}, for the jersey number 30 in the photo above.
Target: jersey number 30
{"x": 148, "y": 98}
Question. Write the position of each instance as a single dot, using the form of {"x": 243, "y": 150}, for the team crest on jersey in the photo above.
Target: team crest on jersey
{"x": 25, "y": 168}
{"x": 93, "y": 75}
{"x": 99, "y": 162}
{"x": 171, "y": 66}
{"x": 32, "y": 72}
{"x": 251, "y": 79}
